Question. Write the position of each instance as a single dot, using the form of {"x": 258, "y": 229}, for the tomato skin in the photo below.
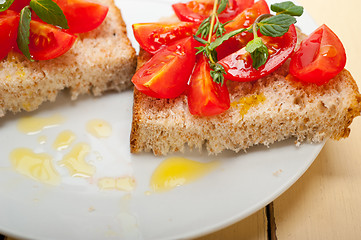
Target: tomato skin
{"x": 17, "y": 5}
{"x": 205, "y": 97}
{"x": 82, "y": 16}
{"x": 192, "y": 11}
{"x": 320, "y": 57}
{"x": 48, "y": 42}
{"x": 238, "y": 65}
{"x": 247, "y": 17}
{"x": 9, "y": 21}
{"x": 243, "y": 20}
{"x": 154, "y": 36}
{"x": 197, "y": 11}
{"x": 167, "y": 73}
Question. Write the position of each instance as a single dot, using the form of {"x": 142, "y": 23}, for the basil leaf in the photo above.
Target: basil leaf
{"x": 287, "y": 8}
{"x": 24, "y": 32}
{"x": 225, "y": 37}
{"x": 49, "y": 12}
{"x": 276, "y": 26}
{"x": 5, "y": 4}
{"x": 259, "y": 52}
{"x": 222, "y": 5}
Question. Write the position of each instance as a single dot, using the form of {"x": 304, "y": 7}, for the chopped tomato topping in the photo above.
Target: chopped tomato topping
{"x": 197, "y": 11}
{"x": 167, "y": 73}
{"x": 205, "y": 97}
{"x": 320, "y": 57}
{"x": 238, "y": 65}
{"x": 154, "y": 36}
{"x": 9, "y": 21}
{"x": 48, "y": 42}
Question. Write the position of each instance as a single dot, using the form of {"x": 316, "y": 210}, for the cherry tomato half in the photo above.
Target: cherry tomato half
{"x": 196, "y": 11}
{"x": 205, "y": 97}
{"x": 242, "y": 20}
{"x": 83, "y": 16}
{"x": 167, "y": 73}
{"x": 248, "y": 16}
{"x": 48, "y": 42}
{"x": 238, "y": 65}
{"x": 320, "y": 57}
{"x": 154, "y": 36}
{"x": 9, "y": 21}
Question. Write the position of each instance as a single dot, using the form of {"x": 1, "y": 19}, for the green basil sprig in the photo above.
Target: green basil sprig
{"x": 48, "y": 11}
{"x": 259, "y": 52}
{"x": 24, "y": 32}
{"x": 276, "y": 26}
{"x": 288, "y": 8}
{"x": 273, "y": 26}
{"x": 268, "y": 25}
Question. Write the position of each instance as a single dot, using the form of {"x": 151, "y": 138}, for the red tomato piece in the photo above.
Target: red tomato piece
{"x": 205, "y": 97}
{"x": 48, "y": 42}
{"x": 320, "y": 57}
{"x": 154, "y": 36}
{"x": 247, "y": 17}
{"x": 242, "y": 20}
{"x": 167, "y": 73}
{"x": 9, "y": 21}
{"x": 17, "y": 5}
{"x": 197, "y": 11}
{"x": 238, "y": 65}
{"x": 82, "y": 16}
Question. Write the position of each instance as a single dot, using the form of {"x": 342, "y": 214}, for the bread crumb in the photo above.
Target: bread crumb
{"x": 277, "y": 173}
{"x": 91, "y": 209}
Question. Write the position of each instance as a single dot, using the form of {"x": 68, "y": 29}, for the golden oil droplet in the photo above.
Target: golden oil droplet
{"x": 31, "y": 125}
{"x": 99, "y": 128}
{"x": 177, "y": 171}
{"x": 64, "y": 140}
{"x": 42, "y": 139}
{"x": 246, "y": 103}
{"x": 98, "y": 156}
{"x": 75, "y": 162}
{"x": 121, "y": 183}
{"x": 34, "y": 165}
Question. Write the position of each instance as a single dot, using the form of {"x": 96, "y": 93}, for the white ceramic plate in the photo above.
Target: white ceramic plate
{"x": 78, "y": 209}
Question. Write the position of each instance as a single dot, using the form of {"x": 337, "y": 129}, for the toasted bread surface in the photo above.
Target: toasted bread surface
{"x": 100, "y": 60}
{"x": 270, "y": 109}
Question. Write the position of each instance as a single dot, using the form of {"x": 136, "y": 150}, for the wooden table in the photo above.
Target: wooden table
{"x": 325, "y": 203}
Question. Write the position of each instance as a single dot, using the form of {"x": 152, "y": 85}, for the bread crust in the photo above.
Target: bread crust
{"x": 100, "y": 60}
{"x": 270, "y": 109}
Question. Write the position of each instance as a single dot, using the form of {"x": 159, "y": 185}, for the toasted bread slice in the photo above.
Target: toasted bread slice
{"x": 270, "y": 109}
{"x": 100, "y": 60}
